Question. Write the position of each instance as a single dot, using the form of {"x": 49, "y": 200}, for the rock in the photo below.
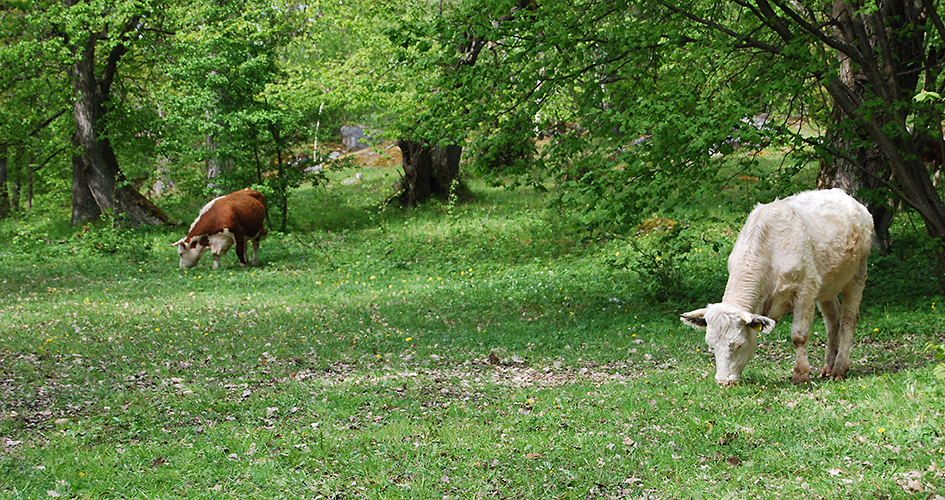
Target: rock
{"x": 356, "y": 137}
{"x": 354, "y": 180}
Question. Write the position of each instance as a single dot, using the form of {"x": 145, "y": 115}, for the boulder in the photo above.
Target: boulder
{"x": 356, "y": 137}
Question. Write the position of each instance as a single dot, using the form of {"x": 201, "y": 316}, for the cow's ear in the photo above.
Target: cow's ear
{"x": 695, "y": 319}
{"x": 177, "y": 243}
{"x": 758, "y": 322}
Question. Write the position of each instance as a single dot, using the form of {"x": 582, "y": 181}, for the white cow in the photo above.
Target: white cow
{"x": 791, "y": 254}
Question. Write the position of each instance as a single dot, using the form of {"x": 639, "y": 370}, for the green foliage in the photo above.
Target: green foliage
{"x": 632, "y": 112}
{"x": 229, "y": 93}
{"x": 505, "y": 147}
{"x": 939, "y": 350}
{"x": 25, "y": 239}
{"x": 660, "y": 262}
{"x": 674, "y": 262}
{"x": 340, "y": 69}
{"x": 113, "y": 237}
{"x": 224, "y": 62}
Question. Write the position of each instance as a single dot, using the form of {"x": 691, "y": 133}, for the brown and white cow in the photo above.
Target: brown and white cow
{"x": 791, "y": 254}
{"x": 234, "y": 219}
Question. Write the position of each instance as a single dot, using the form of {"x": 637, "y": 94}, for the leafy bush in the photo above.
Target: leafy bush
{"x": 505, "y": 146}
{"x": 675, "y": 262}
{"x": 26, "y": 240}
{"x": 659, "y": 260}
{"x": 111, "y": 237}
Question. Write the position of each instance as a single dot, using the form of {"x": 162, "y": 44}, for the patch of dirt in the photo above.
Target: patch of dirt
{"x": 383, "y": 155}
{"x": 462, "y": 379}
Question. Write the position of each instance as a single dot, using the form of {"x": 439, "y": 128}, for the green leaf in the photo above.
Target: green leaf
{"x": 926, "y": 95}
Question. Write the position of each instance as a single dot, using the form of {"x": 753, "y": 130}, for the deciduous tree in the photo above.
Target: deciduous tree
{"x": 227, "y": 89}
{"x": 639, "y": 96}
{"x": 873, "y": 59}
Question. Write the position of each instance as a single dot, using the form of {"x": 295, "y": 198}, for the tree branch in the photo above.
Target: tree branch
{"x": 37, "y": 129}
{"x": 48, "y": 159}
{"x": 841, "y": 46}
{"x": 471, "y": 55}
{"x": 745, "y": 39}
{"x": 847, "y": 102}
{"x": 850, "y": 159}
{"x": 888, "y": 60}
{"x": 932, "y": 12}
{"x": 120, "y": 49}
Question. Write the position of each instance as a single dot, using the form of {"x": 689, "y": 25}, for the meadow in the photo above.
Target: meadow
{"x": 487, "y": 347}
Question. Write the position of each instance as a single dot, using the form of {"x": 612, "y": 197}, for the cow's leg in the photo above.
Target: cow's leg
{"x": 830, "y": 309}
{"x": 240, "y": 247}
{"x": 849, "y": 314}
{"x": 256, "y": 251}
{"x": 219, "y": 244}
{"x": 800, "y": 332}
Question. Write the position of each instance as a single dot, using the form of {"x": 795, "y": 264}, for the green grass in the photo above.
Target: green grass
{"x": 355, "y": 363}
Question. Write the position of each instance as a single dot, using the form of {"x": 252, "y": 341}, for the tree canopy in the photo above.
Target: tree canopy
{"x": 640, "y": 97}
{"x": 623, "y": 107}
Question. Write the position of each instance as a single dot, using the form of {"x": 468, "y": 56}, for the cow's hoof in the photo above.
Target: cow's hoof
{"x": 835, "y": 373}
{"x": 838, "y": 374}
{"x": 800, "y": 378}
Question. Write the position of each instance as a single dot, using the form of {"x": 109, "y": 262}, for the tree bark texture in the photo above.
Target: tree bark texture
{"x": 98, "y": 185}
{"x": 428, "y": 171}
{"x": 865, "y": 167}
{"x": 893, "y": 78}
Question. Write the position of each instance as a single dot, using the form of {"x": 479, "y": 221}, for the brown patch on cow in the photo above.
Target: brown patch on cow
{"x": 243, "y": 213}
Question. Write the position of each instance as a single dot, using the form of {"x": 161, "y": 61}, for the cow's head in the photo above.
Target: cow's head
{"x": 732, "y": 333}
{"x": 190, "y": 250}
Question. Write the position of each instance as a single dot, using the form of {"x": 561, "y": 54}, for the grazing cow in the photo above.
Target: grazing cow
{"x": 791, "y": 254}
{"x": 236, "y": 218}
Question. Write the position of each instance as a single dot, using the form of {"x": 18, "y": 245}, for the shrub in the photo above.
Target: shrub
{"x": 674, "y": 261}
{"x": 111, "y": 237}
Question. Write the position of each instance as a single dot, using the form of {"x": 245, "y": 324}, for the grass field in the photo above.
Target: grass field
{"x": 485, "y": 349}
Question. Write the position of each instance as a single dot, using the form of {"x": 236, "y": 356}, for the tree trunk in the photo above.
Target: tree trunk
{"x": 845, "y": 175}
{"x": 428, "y": 171}
{"x": 98, "y": 185}
{"x": 164, "y": 182}
{"x": 894, "y": 62}
{"x": 867, "y": 171}
{"x": 214, "y": 165}
{"x": 29, "y": 181}
{"x": 15, "y": 178}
